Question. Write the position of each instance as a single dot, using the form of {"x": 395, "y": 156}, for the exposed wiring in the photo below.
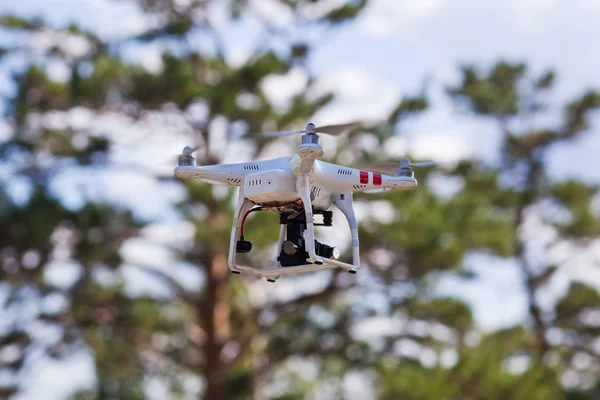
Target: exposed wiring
{"x": 245, "y": 216}
{"x": 275, "y": 208}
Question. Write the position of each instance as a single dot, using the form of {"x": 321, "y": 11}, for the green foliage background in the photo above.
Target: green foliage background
{"x": 219, "y": 335}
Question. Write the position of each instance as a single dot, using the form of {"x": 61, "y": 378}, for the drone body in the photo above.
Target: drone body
{"x": 297, "y": 187}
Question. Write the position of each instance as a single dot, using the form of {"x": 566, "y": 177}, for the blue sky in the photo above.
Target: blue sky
{"x": 390, "y": 51}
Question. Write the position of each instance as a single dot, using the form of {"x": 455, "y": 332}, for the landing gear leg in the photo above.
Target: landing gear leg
{"x": 302, "y": 185}
{"x": 346, "y": 205}
{"x": 272, "y": 279}
{"x": 243, "y": 205}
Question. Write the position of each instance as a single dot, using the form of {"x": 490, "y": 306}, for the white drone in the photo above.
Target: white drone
{"x": 298, "y": 187}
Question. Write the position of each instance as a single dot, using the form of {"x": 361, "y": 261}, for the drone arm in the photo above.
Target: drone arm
{"x": 341, "y": 179}
{"x": 213, "y": 174}
{"x": 346, "y": 205}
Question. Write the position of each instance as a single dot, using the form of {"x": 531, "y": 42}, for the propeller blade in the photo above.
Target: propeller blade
{"x": 337, "y": 129}
{"x": 187, "y": 150}
{"x": 424, "y": 164}
{"x": 380, "y": 168}
{"x": 328, "y": 129}
{"x": 392, "y": 168}
{"x": 280, "y": 134}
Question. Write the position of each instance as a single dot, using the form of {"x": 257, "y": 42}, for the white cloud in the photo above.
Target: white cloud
{"x": 381, "y": 210}
{"x": 177, "y": 234}
{"x": 445, "y": 186}
{"x": 287, "y": 288}
{"x": 239, "y": 55}
{"x": 445, "y": 135}
{"x": 139, "y": 282}
{"x": 579, "y": 264}
{"x": 58, "y": 71}
{"x": 71, "y": 45}
{"x": 386, "y": 16}
{"x": 359, "y": 385}
{"x": 445, "y": 148}
{"x": 146, "y": 253}
{"x": 395, "y": 146}
{"x": 134, "y": 190}
{"x": 62, "y": 274}
{"x": 378, "y": 326}
{"x": 148, "y": 55}
{"x": 352, "y": 83}
{"x": 360, "y": 94}
{"x": 496, "y": 296}
{"x": 273, "y": 12}
{"x": 47, "y": 379}
{"x": 109, "y": 18}
{"x": 557, "y": 33}
{"x": 281, "y": 88}
{"x": 577, "y": 159}
{"x": 6, "y": 130}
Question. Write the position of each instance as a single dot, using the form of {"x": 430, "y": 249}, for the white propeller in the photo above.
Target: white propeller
{"x": 280, "y": 134}
{"x": 407, "y": 163}
{"x": 311, "y": 128}
{"x": 187, "y": 150}
{"x": 392, "y": 168}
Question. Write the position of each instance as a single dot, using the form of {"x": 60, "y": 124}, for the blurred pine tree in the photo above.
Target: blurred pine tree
{"x": 385, "y": 323}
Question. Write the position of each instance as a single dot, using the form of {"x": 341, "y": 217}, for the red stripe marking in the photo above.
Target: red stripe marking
{"x": 377, "y": 179}
{"x": 364, "y": 177}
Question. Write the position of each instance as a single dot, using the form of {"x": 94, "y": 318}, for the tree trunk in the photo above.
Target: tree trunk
{"x": 528, "y": 197}
{"x": 213, "y": 310}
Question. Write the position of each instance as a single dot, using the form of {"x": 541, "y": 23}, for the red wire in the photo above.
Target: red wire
{"x": 244, "y": 219}
{"x": 260, "y": 209}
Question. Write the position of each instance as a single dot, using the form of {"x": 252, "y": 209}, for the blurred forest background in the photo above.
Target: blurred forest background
{"x": 114, "y": 281}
